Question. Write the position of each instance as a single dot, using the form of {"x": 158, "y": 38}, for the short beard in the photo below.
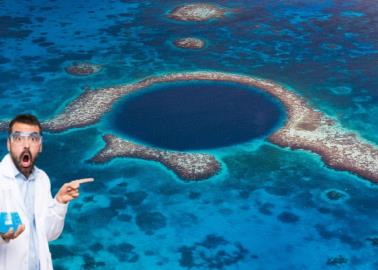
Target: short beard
{"x": 17, "y": 162}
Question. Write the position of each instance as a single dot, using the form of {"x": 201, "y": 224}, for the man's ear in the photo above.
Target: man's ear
{"x": 8, "y": 145}
{"x": 40, "y": 148}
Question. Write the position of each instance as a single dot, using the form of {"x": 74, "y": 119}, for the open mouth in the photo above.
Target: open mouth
{"x": 26, "y": 160}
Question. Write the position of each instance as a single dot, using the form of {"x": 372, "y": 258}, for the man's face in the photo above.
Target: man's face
{"x": 24, "y": 148}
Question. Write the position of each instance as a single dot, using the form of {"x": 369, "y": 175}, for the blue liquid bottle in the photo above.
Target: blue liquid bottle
{"x": 8, "y": 217}
{"x": 9, "y": 220}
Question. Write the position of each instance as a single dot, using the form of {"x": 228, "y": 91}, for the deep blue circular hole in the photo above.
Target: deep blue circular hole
{"x": 196, "y": 115}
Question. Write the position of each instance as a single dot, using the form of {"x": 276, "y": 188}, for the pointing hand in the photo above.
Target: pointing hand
{"x": 70, "y": 191}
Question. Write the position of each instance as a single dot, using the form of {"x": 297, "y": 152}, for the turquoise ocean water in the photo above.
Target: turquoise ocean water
{"x": 267, "y": 209}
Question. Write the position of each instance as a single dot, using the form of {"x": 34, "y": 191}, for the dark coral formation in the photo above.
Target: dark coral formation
{"x": 335, "y": 195}
{"x": 288, "y": 217}
{"x": 83, "y": 69}
{"x": 328, "y": 234}
{"x": 337, "y": 260}
{"x": 61, "y": 251}
{"x": 373, "y": 240}
{"x": 91, "y": 263}
{"x": 212, "y": 253}
{"x": 149, "y": 222}
{"x": 136, "y": 198}
{"x": 197, "y": 12}
{"x": 124, "y": 252}
{"x": 189, "y": 43}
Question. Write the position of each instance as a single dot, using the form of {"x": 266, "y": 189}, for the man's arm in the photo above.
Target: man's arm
{"x": 54, "y": 221}
{"x": 58, "y": 207}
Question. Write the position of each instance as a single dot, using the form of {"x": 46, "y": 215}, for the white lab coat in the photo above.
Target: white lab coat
{"x": 49, "y": 218}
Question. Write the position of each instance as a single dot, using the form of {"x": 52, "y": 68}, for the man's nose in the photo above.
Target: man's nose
{"x": 26, "y": 143}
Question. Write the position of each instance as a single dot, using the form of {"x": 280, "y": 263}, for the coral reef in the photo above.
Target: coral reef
{"x": 189, "y": 43}
{"x": 212, "y": 253}
{"x": 305, "y": 128}
{"x": 197, "y": 12}
{"x": 188, "y": 166}
{"x": 83, "y": 69}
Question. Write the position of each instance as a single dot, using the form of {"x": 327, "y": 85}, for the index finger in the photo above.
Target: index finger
{"x": 82, "y": 181}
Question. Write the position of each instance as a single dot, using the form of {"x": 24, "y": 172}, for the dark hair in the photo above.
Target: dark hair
{"x": 25, "y": 119}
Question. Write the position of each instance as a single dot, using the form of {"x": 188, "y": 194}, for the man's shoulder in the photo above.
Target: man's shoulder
{"x": 5, "y": 173}
{"x": 41, "y": 178}
{"x": 40, "y": 173}
{"x": 4, "y": 166}
{"x": 5, "y": 159}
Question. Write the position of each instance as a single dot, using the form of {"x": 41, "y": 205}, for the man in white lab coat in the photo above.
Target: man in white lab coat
{"x": 27, "y": 192}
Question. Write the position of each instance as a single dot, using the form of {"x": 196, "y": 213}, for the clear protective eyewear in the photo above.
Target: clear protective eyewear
{"x": 19, "y": 137}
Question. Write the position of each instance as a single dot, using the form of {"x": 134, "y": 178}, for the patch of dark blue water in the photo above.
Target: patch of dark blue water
{"x": 196, "y": 115}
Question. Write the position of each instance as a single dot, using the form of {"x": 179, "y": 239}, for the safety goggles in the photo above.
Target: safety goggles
{"x": 19, "y": 137}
